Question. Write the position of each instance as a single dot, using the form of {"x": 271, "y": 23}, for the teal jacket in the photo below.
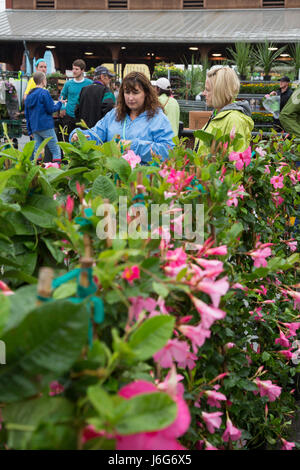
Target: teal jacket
{"x": 238, "y": 115}
{"x": 290, "y": 115}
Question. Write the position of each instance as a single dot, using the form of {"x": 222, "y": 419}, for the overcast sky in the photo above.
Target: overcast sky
{"x": 2, "y": 5}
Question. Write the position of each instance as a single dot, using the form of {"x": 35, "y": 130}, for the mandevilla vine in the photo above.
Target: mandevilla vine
{"x": 197, "y": 348}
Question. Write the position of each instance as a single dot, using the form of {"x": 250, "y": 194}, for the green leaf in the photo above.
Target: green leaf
{"x": 234, "y": 232}
{"x": 119, "y": 166}
{"x": 40, "y": 210}
{"x": 104, "y": 187}
{"x": 206, "y": 137}
{"x": 21, "y": 304}
{"x": 145, "y": 413}
{"x": 4, "y": 312}
{"x": 45, "y": 344}
{"x": 151, "y": 336}
{"x": 160, "y": 289}
{"x": 101, "y": 401}
{"x": 22, "y": 419}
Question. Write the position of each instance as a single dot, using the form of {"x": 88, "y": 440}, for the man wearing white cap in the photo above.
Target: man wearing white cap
{"x": 169, "y": 104}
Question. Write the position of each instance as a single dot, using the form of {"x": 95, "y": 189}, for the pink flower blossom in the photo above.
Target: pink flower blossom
{"x": 56, "y": 388}
{"x": 197, "y": 335}
{"x": 277, "y": 181}
{"x": 267, "y": 169}
{"x": 261, "y": 151}
{"x": 174, "y": 350}
{"x": 287, "y": 445}
{"x": 5, "y": 289}
{"x": 51, "y": 165}
{"x": 260, "y": 256}
{"x": 267, "y": 388}
{"x": 214, "y": 398}
{"x": 282, "y": 340}
{"x": 231, "y": 432}
{"x": 214, "y": 289}
{"x": 219, "y": 250}
{"x": 132, "y": 158}
{"x": 241, "y": 158}
{"x": 296, "y": 296}
{"x": 230, "y": 345}
{"x": 208, "y": 314}
{"x": 287, "y": 353}
{"x": 212, "y": 420}
{"x": 131, "y": 273}
{"x": 80, "y": 190}
{"x": 292, "y": 245}
{"x": 277, "y": 199}
{"x": 293, "y": 327}
{"x": 176, "y": 261}
{"x": 69, "y": 206}
{"x": 212, "y": 267}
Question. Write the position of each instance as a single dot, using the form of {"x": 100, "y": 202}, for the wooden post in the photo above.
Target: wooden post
{"x": 139, "y": 181}
{"x": 86, "y": 261}
{"x": 44, "y": 287}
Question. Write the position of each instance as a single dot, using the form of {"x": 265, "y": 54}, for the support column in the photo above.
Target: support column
{"x": 115, "y": 51}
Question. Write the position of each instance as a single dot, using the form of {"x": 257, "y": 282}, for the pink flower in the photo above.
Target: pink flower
{"x": 219, "y": 250}
{"x": 277, "y": 199}
{"x": 174, "y": 350}
{"x": 214, "y": 398}
{"x": 214, "y": 289}
{"x": 212, "y": 267}
{"x": 267, "y": 169}
{"x": 208, "y": 314}
{"x": 286, "y": 353}
{"x": 282, "y": 340}
{"x": 56, "y": 388}
{"x": 212, "y": 420}
{"x": 69, "y": 206}
{"x": 260, "y": 151}
{"x": 267, "y": 388}
{"x": 293, "y": 327}
{"x": 277, "y": 181}
{"x": 176, "y": 261}
{"x": 130, "y": 274}
{"x": 287, "y": 445}
{"x": 51, "y": 165}
{"x": 231, "y": 432}
{"x": 260, "y": 256}
{"x": 241, "y": 158}
{"x": 5, "y": 289}
{"x": 296, "y": 297}
{"x": 132, "y": 158}
{"x": 230, "y": 345}
{"x": 80, "y": 190}
{"x": 197, "y": 335}
{"x": 163, "y": 439}
{"x": 292, "y": 245}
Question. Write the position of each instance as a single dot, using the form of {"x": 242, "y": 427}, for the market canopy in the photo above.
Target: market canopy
{"x": 159, "y": 26}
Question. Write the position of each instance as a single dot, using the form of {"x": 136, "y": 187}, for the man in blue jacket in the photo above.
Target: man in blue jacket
{"x": 39, "y": 107}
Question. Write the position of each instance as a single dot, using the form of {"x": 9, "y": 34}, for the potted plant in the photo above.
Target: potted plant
{"x": 265, "y": 57}
{"x": 241, "y": 57}
{"x": 294, "y": 50}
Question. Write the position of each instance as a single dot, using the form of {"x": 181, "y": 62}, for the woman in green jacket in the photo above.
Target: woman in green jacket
{"x": 221, "y": 88}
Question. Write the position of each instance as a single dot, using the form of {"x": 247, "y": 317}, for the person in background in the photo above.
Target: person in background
{"x": 117, "y": 85}
{"x": 39, "y": 107}
{"x": 221, "y": 88}
{"x": 285, "y": 92}
{"x": 40, "y": 66}
{"x": 169, "y": 104}
{"x": 71, "y": 92}
{"x": 97, "y": 99}
{"x": 138, "y": 119}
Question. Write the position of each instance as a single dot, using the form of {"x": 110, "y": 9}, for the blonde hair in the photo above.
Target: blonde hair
{"x": 225, "y": 85}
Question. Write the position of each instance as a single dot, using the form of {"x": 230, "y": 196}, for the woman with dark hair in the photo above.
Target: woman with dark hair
{"x": 138, "y": 118}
